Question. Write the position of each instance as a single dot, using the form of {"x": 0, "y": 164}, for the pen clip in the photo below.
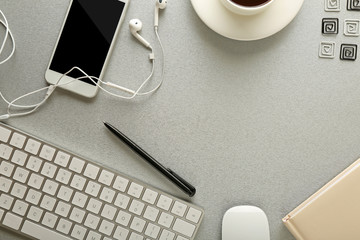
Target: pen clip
{"x": 190, "y": 188}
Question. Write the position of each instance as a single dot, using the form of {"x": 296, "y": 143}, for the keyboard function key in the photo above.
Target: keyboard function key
{"x": 178, "y": 209}
{"x": 32, "y": 146}
{"x": 47, "y": 152}
{"x": 17, "y": 140}
{"x": 62, "y": 159}
{"x": 4, "y": 134}
{"x": 135, "y": 190}
{"x": 164, "y": 202}
{"x": 120, "y": 183}
{"x": 149, "y": 196}
{"x": 76, "y": 165}
{"x": 91, "y": 171}
{"x": 5, "y": 151}
{"x": 106, "y": 177}
{"x": 193, "y": 215}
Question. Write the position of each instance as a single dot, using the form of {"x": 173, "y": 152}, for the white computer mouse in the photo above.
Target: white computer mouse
{"x": 245, "y": 223}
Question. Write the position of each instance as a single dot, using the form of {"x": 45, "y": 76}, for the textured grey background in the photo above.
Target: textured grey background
{"x": 265, "y": 123}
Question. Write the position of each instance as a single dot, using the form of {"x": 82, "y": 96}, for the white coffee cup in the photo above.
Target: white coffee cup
{"x": 246, "y": 10}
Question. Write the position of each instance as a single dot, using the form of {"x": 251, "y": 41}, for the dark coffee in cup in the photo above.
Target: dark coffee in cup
{"x": 251, "y": 3}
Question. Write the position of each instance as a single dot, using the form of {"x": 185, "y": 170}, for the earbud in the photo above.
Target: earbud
{"x": 136, "y": 26}
{"x": 160, "y": 4}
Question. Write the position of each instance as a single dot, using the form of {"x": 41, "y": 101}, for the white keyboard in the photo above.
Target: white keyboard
{"x": 48, "y": 193}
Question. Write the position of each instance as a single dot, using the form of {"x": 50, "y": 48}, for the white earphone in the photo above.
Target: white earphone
{"x": 135, "y": 26}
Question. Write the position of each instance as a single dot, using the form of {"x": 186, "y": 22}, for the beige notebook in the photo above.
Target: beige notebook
{"x": 332, "y": 213}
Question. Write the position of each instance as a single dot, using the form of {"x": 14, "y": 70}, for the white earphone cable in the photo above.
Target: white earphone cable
{"x": 7, "y": 34}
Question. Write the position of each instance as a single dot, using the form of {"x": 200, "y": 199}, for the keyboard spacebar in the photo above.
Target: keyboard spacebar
{"x": 40, "y": 232}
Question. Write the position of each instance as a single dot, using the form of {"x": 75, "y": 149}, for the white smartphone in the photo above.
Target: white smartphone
{"x": 86, "y": 40}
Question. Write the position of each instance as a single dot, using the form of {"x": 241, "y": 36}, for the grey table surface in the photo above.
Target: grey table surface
{"x": 264, "y": 123}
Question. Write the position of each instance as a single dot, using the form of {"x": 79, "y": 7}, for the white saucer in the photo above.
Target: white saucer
{"x": 217, "y": 17}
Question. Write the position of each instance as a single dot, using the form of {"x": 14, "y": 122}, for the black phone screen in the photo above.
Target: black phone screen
{"x": 86, "y": 37}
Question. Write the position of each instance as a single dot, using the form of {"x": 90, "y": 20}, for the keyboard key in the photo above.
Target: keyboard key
{"x": 78, "y": 232}
{"x": 193, "y": 215}
{"x": 151, "y": 213}
{"x": 34, "y": 164}
{"x": 92, "y": 188}
{"x": 5, "y": 184}
{"x": 12, "y": 221}
{"x": 32, "y": 146}
{"x": 136, "y": 207}
{"x": 6, "y": 168}
{"x": 135, "y": 236}
{"x": 137, "y": 224}
{"x": 48, "y": 203}
{"x": 152, "y": 230}
{"x": 62, "y": 209}
{"x": 92, "y": 221}
{"x": 65, "y": 193}
{"x": 49, "y": 220}
{"x": 78, "y": 182}
{"x": 106, "y": 177}
{"x": 21, "y": 174}
{"x": 121, "y": 233}
{"x": 76, "y": 165}
{"x": 150, "y": 196}
{"x": 35, "y": 181}
{"x": 5, "y": 151}
{"x": 167, "y": 235}
{"x": 106, "y": 227}
{"x": 20, "y": 207}
{"x": 19, "y": 157}
{"x": 123, "y": 218}
{"x": 47, "y": 152}
{"x": 63, "y": 176}
{"x": 17, "y": 140}
{"x": 108, "y": 212}
{"x": 178, "y": 209}
{"x": 50, "y": 187}
{"x": 122, "y": 201}
{"x": 120, "y": 183}
{"x": 38, "y": 231}
{"x": 107, "y": 194}
{"x": 91, "y": 171}
{"x": 6, "y": 201}
{"x": 94, "y": 205}
{"x": 184, "y": 228}
{"x": 79, "y": 199}
{"x": 64, "y": 226}
{"x": 77, "y": 215}
{"x": 18, "y": 190}
{"x": 135, "y": 190}
{"x": 62, "y": 159}
{"x": 164, "y": 202}
{"x": 48, "y": 170}
{"x": 4, "y": 134}
{"x": 165, "y": 219}
{"x": 93, "y": 236}
{"x": 35, "y": 213}
{"x": 33, "y": 197}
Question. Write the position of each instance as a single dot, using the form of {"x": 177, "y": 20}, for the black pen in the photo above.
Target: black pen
{"x": 167, "y": 172}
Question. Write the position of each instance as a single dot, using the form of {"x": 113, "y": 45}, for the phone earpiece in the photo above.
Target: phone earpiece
{"x": 160, "y": 4}
{"x": 136, "y": 26}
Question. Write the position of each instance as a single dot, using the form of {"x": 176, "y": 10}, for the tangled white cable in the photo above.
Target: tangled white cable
{"x": 50, "y": 89}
